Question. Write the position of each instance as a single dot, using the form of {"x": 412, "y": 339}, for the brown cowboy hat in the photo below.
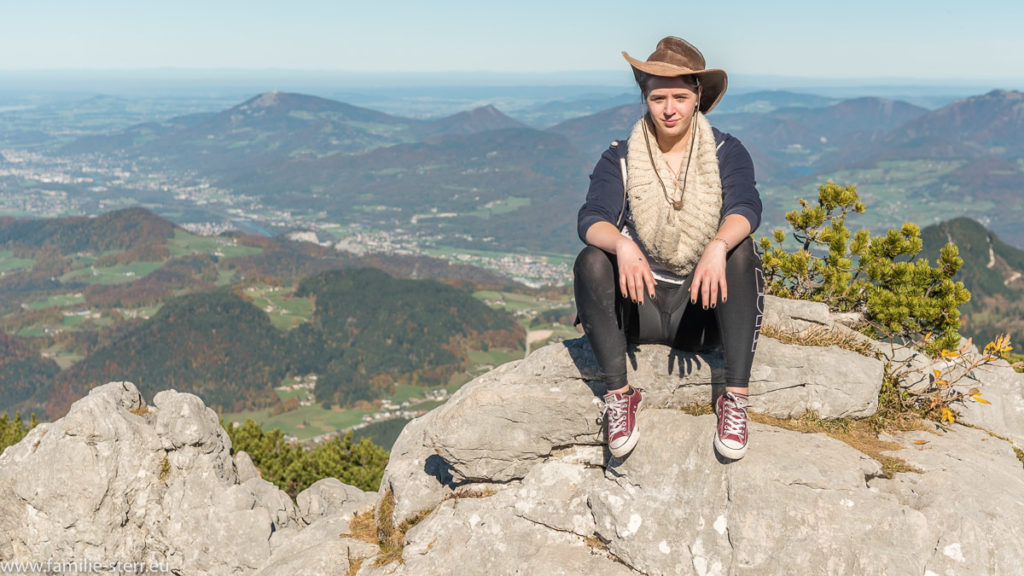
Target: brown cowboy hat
{"x": 677, "y": 57}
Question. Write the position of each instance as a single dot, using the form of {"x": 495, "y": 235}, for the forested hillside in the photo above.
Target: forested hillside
{"x": 129, "y": 296}
{"x": 213, "y": 344}
{"x": 370, "y": 331}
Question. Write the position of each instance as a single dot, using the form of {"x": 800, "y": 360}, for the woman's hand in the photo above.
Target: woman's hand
{"x": 709, "y": 276}
{"x": 634, "y": 271}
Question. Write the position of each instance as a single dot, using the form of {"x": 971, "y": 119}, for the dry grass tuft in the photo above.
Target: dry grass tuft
{"x": 165, "y": 469}
{"x": 142, "y": 410}
{"x": 354, "y": 564}
{"x": 699, "y": 409}
{"x": 861, "y": 435}
{"x": 379, "y": 529}
{"x": 596, "y": 543}
{"x": 472, "y": 492}
{"x": 821, "y": 336}
{"x": 363, "y": 527}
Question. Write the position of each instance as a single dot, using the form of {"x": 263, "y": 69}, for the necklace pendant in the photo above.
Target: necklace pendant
{"x": 678, "y": 204}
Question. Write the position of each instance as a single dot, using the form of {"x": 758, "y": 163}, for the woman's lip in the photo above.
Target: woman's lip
{"x": 670, "y": 123}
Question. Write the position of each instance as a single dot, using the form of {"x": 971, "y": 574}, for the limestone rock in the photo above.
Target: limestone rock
{"x": 1003, "y": 388}
{"x": 795, "y": 315}
{"x": 320, "y": 549}
{"x": 797, "y": 504}
{"x": 244, "y": 468}
{"x": 331, "y": 497}
{"x": 117, "y": 480}
{"x": 499, "y": 425}
{"x": 415, "y": 477}
{"x": 496, "y": 427}
{"x": 269, "y": 497}
{"x": 971, "y": 496}
{"x": 478, "y": 536}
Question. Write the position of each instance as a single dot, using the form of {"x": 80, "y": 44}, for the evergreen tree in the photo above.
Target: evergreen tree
{"x": 12, "y": 431}
{"x": 902, "y": 296}
{"x": 294, "y": 468}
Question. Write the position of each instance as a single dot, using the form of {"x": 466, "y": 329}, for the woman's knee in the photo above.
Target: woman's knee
{"x": 593, "y": 264}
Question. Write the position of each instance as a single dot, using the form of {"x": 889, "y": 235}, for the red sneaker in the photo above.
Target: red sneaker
{"x": 731, "y": 435}
{"x": 620, "y": 419}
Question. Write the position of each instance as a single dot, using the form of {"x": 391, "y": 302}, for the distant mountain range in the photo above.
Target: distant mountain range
{"x": 359, "y": 165}
{"x": 278, "y": 125}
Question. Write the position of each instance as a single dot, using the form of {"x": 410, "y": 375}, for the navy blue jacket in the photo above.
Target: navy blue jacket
{"x": 606, "y": 198}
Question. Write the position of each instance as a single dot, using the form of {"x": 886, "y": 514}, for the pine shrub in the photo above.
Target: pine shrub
{"x": 902, "y": 297}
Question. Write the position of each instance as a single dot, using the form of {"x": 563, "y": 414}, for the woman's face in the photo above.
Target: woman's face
{"x": 672, "y": 102}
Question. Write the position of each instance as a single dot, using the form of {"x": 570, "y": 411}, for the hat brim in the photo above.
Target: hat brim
{"x": 713, "y": 81}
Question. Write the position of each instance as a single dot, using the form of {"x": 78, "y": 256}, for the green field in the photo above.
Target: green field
{"x": 58, "y": 301}
{"x": 508, "y": 301}
{"x": 9, "y": 263}
{"x": 284, "y": 310}
{"x": 32, "y": 332}
{"x": 498, "y": 207}
{"x": 144, "y": 312}
{"x": 405, "y": 392}
{"x": 65, "y": 359}
{"x": 304, "y": 423}
{"x": 119, "y": 274}
{"x": 184, "y": 244}
{"x": 301, "y": 393}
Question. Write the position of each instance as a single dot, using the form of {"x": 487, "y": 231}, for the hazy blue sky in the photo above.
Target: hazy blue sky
{"x": 935, "y": 39}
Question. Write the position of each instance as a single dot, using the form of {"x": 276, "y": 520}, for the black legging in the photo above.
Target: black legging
{"x": 610, "y": 321}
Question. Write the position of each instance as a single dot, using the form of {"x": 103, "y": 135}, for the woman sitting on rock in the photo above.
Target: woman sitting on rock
{"x": 667, "y": 220}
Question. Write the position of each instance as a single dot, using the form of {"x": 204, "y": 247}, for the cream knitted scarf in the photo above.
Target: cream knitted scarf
{"x": 675, "y": 238}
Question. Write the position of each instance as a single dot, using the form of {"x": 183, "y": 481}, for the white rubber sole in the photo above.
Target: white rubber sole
{"x": 628, "y": 445}
{"x": 730, "y": 453}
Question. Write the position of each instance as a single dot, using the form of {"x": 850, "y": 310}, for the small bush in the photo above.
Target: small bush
{"x": 903, "y": 298}
{"x": 937, "y": 400}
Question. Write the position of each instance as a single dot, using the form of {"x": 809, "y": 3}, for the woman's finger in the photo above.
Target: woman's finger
{"x": 705, "y": 288}
{"x": 695, "y": 286}
{"x": 651, "y": 282}
{"x": 639, "y": 285}
{"x": 633, "y": 288}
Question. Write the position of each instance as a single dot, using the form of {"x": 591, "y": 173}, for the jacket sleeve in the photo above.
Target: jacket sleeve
{"x": 739, "y": 190}
{"x": 605, "y": 196}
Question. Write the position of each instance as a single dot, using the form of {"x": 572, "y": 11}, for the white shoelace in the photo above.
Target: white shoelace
{"x": 615, "y": 414}
{"x": 735, "y": 416}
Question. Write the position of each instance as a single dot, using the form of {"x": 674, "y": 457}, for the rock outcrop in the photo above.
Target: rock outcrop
{"x": 116, "y": 480}
{"x": 511, "y": 477}
{"x": 527, "y": 438}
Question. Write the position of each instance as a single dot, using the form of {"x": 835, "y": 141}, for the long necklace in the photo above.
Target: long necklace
{"x": 677, "y": 204}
